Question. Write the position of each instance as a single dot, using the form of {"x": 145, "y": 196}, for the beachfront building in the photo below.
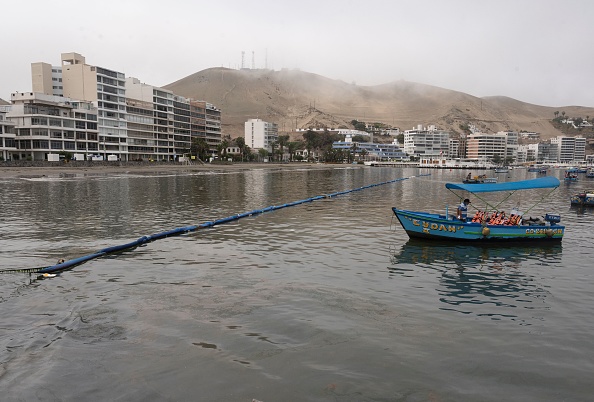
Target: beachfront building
{"x": 206, "y": 123}
{"x": 546, "y": 152}
{"x": 571, "y": 149}
{"x": 522, "y": 154}
{"x": 454, "y": 149}
{"x": 7, "y": 135}
{"x": 371, "y": 150}
{"x": 135, "y": 121}
{"x": 260, "y": 134}
{"x": 48, "y": 124}
{"x": 511, "y": 146}
{"x": 482, "y": 146}
{"x": 426, "y": 142}
{"x": 158, "y": 122}
{"x": 104, "y": 87}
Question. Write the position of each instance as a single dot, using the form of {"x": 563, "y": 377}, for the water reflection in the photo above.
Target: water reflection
{"x": 492, "y": 281}
{"x": 416, "y": 251}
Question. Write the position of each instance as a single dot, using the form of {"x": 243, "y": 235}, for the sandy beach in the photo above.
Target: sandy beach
{"x": 49, "y": 171}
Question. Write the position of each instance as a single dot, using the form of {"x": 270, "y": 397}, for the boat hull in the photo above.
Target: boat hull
{"x": 583, "y": 199}
{"x": 440, "y": 227}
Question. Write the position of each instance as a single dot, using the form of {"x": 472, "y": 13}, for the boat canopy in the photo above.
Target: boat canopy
{"x": 541, "y": 182}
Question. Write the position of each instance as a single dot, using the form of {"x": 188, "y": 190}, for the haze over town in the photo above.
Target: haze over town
{"x": 534, "y": 51}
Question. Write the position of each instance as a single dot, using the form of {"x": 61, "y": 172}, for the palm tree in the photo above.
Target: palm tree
{"x": 556, "y": 114}
{"x": 199, "y": 148}
{"x": 283, "y": 140}
{"x": 222, "y": 148}
{"x": 240, "y": 142}
{"x": 310, "y": 138}
{"x": 263, "y": 153}
{"x": 273, "y": 145}
{"x": 292, "y": 146}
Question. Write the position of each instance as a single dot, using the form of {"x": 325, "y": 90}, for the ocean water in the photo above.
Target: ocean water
{"x": 324, "y": 301}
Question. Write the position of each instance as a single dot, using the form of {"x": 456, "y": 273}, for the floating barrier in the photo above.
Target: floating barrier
{"x": 64, "y": 265}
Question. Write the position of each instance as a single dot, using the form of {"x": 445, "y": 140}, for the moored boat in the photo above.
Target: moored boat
{"x": 479, "y": 179}
{"x": 570, "y": 175}
{"x": 583, "y": 198}
{"x": 501, "y": 169}
{"x": 490, "y": 224}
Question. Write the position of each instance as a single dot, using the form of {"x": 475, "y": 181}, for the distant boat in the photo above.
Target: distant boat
{"x": 501, "y": 169}
{"x": 538, "y": 169}
{"x": 571, "y": 175}
{"x": 479, "y": 179}
{"x": 590, "y": 172}
{"x": 584, "y": 198}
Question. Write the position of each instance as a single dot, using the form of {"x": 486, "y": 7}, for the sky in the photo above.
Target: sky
{"x": 535, "y": 51}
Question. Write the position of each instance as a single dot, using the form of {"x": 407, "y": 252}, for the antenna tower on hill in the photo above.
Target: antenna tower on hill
{"x": 253, "y": 60}
{"x": 242, "y": 59}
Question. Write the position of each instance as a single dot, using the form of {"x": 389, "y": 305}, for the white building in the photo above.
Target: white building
{"x": 511, "y": 147}
{"x": 7, "y": 135}
{"x": 426, "y": 142}
{"x": 47, "y": 124}
{"x": 260, "y": 134}
{"x": 106, "y": 88}
{"x": 571, "y": 149}
{"x": 134, "y": 120}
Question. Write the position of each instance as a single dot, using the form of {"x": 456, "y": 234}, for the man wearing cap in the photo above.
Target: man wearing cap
{"x": 463, "y": 210}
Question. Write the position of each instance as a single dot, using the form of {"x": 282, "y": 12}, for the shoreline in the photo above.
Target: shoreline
{"x": 49, "y": 171}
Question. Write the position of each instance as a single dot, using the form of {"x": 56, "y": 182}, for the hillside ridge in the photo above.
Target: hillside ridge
{"x": 296, "y": 99}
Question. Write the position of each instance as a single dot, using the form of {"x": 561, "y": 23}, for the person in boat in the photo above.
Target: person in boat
{"x": 462, "y": 212}
{"x": 469, "y": 176}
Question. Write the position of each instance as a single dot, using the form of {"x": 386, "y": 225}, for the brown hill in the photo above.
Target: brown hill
{"x": 295, "y": 99}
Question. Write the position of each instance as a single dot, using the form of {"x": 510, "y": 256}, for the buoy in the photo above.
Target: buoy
{"x": 486, "y": 231}
{"x": 549, "y": 232}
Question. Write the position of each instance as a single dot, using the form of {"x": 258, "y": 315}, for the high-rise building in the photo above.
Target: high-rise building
{"x": 260, "y": 134}
{"x": 482, "y": 146}
{"x": 571, "y": 149}
{"x": 135, "y": 121}
{"x": 7, "y": 134}
{"x": 427, "y": 142}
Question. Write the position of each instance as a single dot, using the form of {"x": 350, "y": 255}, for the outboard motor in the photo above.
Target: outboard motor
{"x": 552, "y": 219}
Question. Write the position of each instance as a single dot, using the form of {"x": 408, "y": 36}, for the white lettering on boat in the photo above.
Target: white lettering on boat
{"x": 427, "y": 227}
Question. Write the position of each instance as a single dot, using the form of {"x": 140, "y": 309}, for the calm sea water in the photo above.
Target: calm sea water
{"x": 325, "y": 301}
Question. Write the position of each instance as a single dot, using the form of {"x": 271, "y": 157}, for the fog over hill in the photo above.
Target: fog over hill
{"x": 297, "y": 99}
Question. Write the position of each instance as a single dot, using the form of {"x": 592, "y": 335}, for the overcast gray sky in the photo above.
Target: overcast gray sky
{"x": 536, "y": 51}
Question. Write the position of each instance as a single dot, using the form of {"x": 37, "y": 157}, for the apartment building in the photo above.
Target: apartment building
{"x": 482, "y": 146}
{"x": 46, "y": 124}
{"x": 134, "y": 120}
{"x": 427, "y": 142}
{"x": 571, "y": 149}
{"x": 7, "y": 135}
{"x": 206, "y": 123}
{"x": 260, "y": 134}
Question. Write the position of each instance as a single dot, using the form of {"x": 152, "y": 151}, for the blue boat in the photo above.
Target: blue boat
{"x": 584, "y": 198}
{"x": 489, "y": 225}
{"x": 571, "y": 174}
